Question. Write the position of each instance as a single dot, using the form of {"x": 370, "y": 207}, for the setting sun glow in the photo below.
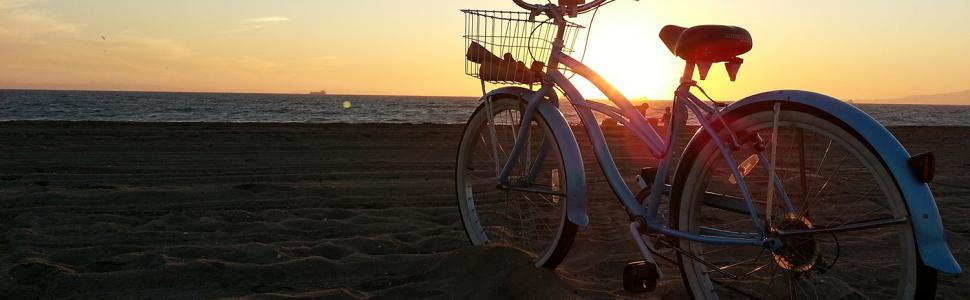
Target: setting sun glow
{"x": 630, "y": 61}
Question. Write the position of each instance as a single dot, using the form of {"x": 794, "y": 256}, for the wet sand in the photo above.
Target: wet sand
{"x": 275, "y": 211}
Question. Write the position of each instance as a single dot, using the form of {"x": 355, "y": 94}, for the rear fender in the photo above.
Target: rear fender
{"x": 925, "y": 216}
{"x": 569, "y": 148}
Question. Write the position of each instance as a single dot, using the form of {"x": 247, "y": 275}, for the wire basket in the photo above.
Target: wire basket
{"x": 506, "y": 47}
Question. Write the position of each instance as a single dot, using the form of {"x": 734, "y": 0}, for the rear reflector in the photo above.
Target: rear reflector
{"x": 924, "y": 165}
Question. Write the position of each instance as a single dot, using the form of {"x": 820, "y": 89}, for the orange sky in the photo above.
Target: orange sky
{"x": 849, "y": 49}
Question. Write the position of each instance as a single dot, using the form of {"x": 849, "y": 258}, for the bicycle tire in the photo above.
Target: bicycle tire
{"x": 697, "y": 174}
{"x": 547, "y": 249}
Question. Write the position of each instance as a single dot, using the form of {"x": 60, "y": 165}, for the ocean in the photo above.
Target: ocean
{"x": 18, "y": 105}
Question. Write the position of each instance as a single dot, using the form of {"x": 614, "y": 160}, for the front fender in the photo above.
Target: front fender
{"x": 568, "y": 147}
{"x": 924, "y": 215}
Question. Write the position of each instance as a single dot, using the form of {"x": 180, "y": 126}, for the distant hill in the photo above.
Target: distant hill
{"x": 961, "y": 97}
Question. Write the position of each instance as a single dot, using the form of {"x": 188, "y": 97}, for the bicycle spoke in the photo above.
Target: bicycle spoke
{"x": 845, "y": 211}
{"x": 743, "y": 293}
{"x": 808, "y": 204}
{"x": 821, "y": 162}
{"x": 723, "y": 248}
{"x": 771, "y": 280}
{"x": 513, "y": 125}
{"x": 535, "y": 209}
{"x": 520, "y": 214}
{"x": 546, "y": 200}
{"x": 529, "y": 220}
{"x": 722, "y": 268}
{"x": 839, "y": 196}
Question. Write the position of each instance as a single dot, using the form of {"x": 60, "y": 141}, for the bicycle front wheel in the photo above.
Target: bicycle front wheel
{"x": 529, "y": 213}
{"x": 832, "y": 179}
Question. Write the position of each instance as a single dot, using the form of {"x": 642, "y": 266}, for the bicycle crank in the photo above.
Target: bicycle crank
{"x": 642, "y": 276}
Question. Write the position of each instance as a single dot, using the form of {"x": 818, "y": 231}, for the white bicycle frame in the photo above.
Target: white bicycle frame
{"x": 928, "y": 227}
{"x": 660, "y": 147}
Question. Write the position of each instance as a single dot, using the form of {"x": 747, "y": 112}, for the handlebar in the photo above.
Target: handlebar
{"x": 538, "y": 8}
{"x": 527, "y": 6}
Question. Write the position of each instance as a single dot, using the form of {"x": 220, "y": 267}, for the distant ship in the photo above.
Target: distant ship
{"x": 321, "y": 92}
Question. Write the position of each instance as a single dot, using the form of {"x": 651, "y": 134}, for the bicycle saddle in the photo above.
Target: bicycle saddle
{"x": 707, "y": 43}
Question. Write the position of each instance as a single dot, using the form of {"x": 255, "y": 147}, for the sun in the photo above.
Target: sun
{"x": 635, "y": 62}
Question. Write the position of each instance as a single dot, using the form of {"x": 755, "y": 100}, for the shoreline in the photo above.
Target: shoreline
{"x": 270, "y": 123}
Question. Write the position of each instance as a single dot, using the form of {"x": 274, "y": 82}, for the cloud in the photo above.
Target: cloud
{"x": 8, "y": 4}
{"x": 241, "y": 29}
{"x": 136, "y": 46}
{"x": 271, "y": 19}
{"x": 21, "y": 24}
{"x": 41, "y": 50}
{"x": 256, "y": 24}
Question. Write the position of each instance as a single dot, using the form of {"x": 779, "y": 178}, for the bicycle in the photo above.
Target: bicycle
{"x": 783, "y": 193}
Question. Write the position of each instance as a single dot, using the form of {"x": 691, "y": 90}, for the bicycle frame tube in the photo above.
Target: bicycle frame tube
{"x": 625, "y": 113}
{"x": 929, "y": 232}
{"x": 683, "y": 92}
{"x": 523, "y": 134}
{"x": 631, "y": 117}
{"x": 635, "y": 122}
{"x": 615, "y": 180}
{"x": 726, "y": 153}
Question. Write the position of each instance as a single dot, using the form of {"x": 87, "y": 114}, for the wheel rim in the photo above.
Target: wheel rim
{"x": 876, "y": 263}
{"x": 532, "y": 222}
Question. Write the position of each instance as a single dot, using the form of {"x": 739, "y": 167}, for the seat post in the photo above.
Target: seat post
{"x": 688, "y": 72}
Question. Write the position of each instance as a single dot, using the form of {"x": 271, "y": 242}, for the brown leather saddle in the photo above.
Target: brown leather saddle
{"x": 706, "y": 43}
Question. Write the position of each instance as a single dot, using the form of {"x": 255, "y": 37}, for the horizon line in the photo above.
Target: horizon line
{"x": 220, "y": 92}
{"x": 637, "y": 99}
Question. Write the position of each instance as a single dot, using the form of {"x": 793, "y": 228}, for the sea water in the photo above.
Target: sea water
{"x": 18, "y": 105}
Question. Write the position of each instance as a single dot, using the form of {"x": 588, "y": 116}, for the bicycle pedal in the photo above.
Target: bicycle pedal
{"x": 640, "y": 277}
{"x": 648, "y": 174}
{"x": 642, "y": 195}
{"x": 641, "y": 183}
{"x": 644, "y": 181}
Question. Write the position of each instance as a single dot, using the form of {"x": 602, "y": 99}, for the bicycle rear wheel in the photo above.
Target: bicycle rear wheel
{"x": 530, "y": 214}
{"x": 833, "y": 180}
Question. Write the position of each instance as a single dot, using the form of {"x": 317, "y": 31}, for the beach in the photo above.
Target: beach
{"x": 119, "y": 210}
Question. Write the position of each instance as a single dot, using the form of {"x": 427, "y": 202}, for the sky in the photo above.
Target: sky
{"x": 853, "y": 50}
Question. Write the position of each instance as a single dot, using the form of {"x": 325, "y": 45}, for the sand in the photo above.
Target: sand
{"x": 281, "y": 211}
